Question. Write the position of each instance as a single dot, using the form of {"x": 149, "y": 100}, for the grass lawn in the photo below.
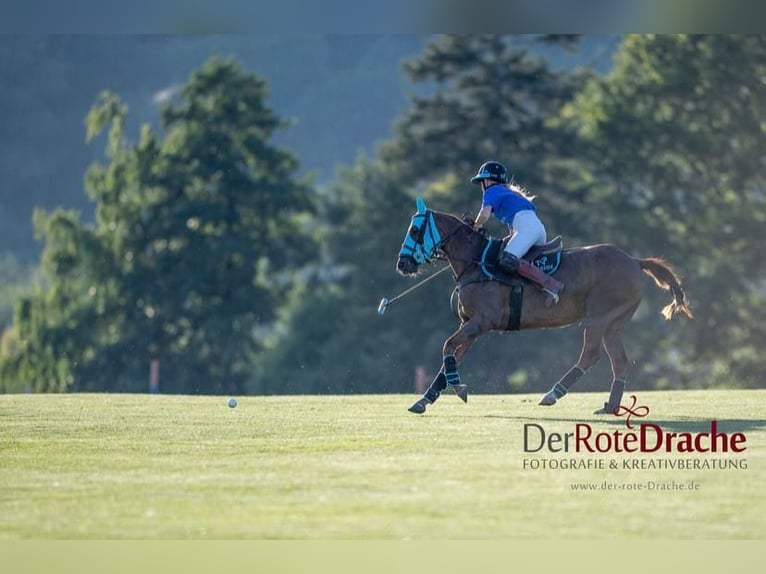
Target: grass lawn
{"x": 101, "y": 466}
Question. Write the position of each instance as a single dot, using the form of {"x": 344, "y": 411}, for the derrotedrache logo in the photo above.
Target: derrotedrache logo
{"x": 641, "y": 438}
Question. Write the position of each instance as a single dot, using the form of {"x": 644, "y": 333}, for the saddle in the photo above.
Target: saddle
{"x": 553, "y": 247}
{"x": 545, "y": 257}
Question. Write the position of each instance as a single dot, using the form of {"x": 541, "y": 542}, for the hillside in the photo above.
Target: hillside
{"x": 342, "y": 93}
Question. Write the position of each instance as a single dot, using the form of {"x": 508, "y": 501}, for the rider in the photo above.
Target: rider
{"x": 511, "y": 205}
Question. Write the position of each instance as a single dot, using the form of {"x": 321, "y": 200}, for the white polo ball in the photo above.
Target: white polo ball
{"x": 232, "y": 402}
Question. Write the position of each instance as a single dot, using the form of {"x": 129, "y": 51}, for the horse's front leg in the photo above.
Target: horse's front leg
{"x": 455, "y": 348}
{"x": 433, "y": 392}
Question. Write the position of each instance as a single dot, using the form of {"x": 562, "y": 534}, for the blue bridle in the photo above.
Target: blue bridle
{"x": 423, "y": 238}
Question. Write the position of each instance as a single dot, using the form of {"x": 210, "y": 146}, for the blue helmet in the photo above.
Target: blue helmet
{"x": 493, "y": 171}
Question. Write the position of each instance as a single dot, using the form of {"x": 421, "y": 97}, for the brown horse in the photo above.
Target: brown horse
{"x": 603, "y": 288}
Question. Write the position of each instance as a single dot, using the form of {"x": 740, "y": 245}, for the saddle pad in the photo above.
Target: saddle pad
{"x": 489, "y": 257}
{"x": 547, "y": 262}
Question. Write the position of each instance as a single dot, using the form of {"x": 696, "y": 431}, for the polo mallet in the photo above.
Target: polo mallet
{"x": 384, "y": 303}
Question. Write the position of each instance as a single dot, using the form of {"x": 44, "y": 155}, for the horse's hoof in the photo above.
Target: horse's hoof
{"x": 548, "y": 400}
{"x": 605, "y": 410}
{"x": 419, "y": 407}
{"x": 462, "y": 392}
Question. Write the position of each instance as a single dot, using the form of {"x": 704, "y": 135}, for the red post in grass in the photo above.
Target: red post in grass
{"x": 154, "y": 376}
{"x": 420, "y": 380}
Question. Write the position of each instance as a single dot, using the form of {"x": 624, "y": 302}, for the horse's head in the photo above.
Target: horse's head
{"x": 421, "y": 241}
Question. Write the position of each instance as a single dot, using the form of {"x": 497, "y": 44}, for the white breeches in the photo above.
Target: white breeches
{"x": 527, "y": 230}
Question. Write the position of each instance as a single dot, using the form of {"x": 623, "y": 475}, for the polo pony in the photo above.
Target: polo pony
{"x": 603, "y": 288}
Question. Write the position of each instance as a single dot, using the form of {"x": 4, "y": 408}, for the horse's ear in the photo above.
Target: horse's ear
{"x": 421, "y": 205}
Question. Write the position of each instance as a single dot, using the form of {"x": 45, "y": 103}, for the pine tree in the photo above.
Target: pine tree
{"x": 200, "y": 230}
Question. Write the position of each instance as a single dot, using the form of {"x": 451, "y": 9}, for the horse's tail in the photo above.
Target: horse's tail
{"x": 666, "y": 278}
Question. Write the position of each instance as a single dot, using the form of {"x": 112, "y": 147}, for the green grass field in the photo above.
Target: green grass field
{"x": 358, "y": 467}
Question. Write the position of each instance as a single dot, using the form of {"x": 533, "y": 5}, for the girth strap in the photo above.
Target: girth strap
{"x": 514, "y": 315}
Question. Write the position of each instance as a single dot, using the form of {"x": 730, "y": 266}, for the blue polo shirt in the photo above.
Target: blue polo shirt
{"x": 505, "y": 204}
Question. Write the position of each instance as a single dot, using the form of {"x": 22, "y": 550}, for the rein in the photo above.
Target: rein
{"x": 473, "y": 262}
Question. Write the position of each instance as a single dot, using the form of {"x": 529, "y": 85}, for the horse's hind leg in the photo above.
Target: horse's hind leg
{"x": 589, "y": 356}
{"x": 620, "y": 363}
{"x": 619, "y": 359}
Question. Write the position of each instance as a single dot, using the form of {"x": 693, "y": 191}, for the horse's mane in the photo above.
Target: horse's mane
{"x": 465, "y": 221}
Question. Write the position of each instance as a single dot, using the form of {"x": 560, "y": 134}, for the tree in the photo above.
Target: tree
{"x": 198, "y": 236}
{"x": 492, "y": 98}
{"x": 330, "y": 337}
{"x": 676, "y": 134}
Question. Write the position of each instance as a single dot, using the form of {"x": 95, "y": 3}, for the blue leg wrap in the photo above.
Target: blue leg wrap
{"x": 450, "y": 370}
{"x": 559, "y": 390}
{"x": 437, "y": 386}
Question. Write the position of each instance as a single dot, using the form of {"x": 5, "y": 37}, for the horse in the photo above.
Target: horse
{"x": 603, "y": 288}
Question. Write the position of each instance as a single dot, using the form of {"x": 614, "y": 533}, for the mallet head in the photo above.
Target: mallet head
{"x": 382, "y": 306}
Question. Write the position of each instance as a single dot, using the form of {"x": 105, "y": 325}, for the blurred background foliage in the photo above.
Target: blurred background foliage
{"x": 237, "y": 208}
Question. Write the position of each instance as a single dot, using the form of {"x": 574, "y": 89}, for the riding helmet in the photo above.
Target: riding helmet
{"x": 493, "y": 171}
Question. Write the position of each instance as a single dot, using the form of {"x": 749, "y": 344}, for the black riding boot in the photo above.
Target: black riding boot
{"x": 508, "y": 262}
